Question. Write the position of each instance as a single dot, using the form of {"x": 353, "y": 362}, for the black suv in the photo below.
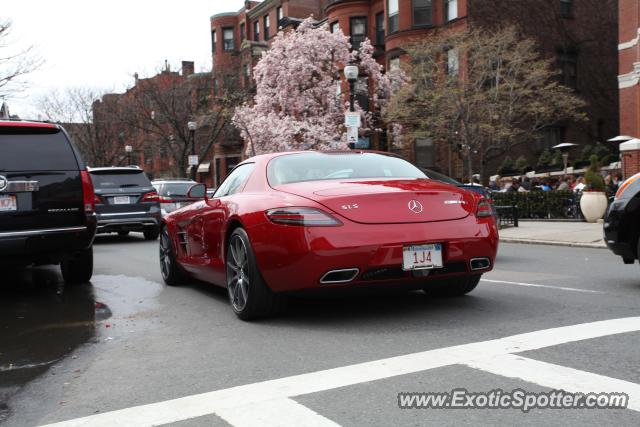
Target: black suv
{"x": 126, "y": 201}
{"x": 46, "y": 200}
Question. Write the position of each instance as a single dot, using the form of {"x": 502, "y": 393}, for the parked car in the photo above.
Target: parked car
{"x": 622, "y": 221}
{"x": 47, "y": 212}
{"x": 126, "y": 201}
{"x": 289, "y": 222}
{"x": 173, "y": 193}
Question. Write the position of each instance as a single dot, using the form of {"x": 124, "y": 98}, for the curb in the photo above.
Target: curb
{"x": 599, "y": 245}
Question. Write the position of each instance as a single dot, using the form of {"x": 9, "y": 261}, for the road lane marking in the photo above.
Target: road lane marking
{"x": 535, "y": 285}
{"x": 241, "y": 396}
{"x": 557, "y": 377}
{"x": 274, "y": 413}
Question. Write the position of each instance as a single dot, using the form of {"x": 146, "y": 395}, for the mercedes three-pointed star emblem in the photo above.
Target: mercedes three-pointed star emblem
{"x": 415, "y": 206}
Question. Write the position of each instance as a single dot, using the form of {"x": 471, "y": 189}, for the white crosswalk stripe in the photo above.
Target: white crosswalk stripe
{"x": 557, "y": 377}
{"x": 244, "y": 402}
{"x": 274, "y": 413}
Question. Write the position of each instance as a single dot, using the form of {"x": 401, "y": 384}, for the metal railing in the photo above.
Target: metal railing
{"x": 542, "y": 205}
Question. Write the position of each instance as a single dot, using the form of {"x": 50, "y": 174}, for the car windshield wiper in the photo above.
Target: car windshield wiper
{"x": 128, "y": 185}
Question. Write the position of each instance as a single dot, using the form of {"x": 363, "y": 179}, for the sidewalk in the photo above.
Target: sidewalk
{"x": 577, "y": 234}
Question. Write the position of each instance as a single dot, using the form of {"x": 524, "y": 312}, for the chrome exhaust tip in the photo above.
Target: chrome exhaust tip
{"x": 479, "y": 263}
{"x": 339, "y": 276}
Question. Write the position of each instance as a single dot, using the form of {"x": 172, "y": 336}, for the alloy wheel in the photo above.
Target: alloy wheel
{"x": 165, "y": 255}
{"x": 238, "y": 273}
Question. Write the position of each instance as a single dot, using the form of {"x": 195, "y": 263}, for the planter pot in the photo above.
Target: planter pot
{"x": 593, "y": 205}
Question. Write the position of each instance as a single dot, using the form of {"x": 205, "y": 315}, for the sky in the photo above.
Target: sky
{"x": 101, "y": 45}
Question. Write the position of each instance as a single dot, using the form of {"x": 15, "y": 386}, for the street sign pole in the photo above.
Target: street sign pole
{"x": 353, "y": 123}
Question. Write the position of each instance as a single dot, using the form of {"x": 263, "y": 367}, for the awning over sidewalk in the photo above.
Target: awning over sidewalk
{"x": 204, "y": 167}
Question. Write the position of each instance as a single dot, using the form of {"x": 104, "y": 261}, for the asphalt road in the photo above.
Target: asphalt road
{"x": 145, "y": 343}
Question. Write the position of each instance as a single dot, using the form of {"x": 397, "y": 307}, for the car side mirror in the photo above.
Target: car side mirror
{"x": 197, "y": 191}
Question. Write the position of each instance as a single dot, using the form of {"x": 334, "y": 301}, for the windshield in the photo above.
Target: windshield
{"x": 175, "y": 189}
{"x": 322, "y": 166}
{"x": 120, "y": 179}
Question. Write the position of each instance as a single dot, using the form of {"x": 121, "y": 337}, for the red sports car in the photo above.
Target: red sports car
{"x": 307, "y": 220}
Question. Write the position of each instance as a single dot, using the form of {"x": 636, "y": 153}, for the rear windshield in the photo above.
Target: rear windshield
{"x": 44, "y": 150}
{"x": 175, "y": 189}
{"x": 120, "y": 179}
{"x": 317, "y": 166}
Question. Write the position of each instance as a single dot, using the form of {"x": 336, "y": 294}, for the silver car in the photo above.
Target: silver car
{"x": 173, "y": 193}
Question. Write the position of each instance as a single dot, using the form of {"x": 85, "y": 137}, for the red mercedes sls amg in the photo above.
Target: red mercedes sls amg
{"x": 306, "y": 220}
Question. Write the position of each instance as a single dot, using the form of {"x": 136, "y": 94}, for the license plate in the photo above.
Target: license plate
{"x": 422, "y": 257}
{"x": 8, "y": 203}
{"x": 121, "y": 200}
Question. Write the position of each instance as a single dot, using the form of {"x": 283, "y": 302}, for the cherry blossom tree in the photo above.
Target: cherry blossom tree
{"x": 298, "y": 103}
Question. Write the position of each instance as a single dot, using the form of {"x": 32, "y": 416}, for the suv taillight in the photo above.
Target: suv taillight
{"x": 484, "y": 209}
{"x": 151, "y": 196}
{"x": 87, "y": 192}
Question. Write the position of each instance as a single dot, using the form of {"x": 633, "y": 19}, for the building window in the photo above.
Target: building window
{"x": 421, "y": 12}
{"x": 218, "y": 174}
{"x": 242, "y": 32}
{"x": 566, "y": 8}
{"x": 380, "y": 29}
{"x": 227, "y": 39}
{"x": 265, "y": 18}
{"x": 214, "y": 39}
{"x": 393, "y": 11}
{"x": 450, "y": 10}
{"x": 568, "y": 63}
{"x": 358, "y": 31}
{"x": 425, "y": 153}
{"x": 453, "y": 62}
{"x": 256, "y": 31}
{"x": 551, "y": 136}
{"x": 280, "y": 14}
{"x": 394, "y": 64}
{"x": 334, "y": 27}
{"x": 362, "y": 92}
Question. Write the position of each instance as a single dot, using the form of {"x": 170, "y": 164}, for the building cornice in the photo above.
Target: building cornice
{"x": 224, "y": 15}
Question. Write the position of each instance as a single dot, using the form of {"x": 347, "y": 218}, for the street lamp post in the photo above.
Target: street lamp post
{"x": 128, "y": 149}
{"x": 192, "y": 131}
{"x": 351, "y": 74}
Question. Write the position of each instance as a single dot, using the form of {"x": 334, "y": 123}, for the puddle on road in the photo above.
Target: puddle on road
{"x": 42, "y": 321}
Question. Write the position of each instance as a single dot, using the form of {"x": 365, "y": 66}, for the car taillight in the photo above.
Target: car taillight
{"x": 309, "y": 217}
{"x": 484, "y": 209}
{"x": 87, "y": 192}
{"x": 97, "y": 200}
{"x": 151, "y": 196}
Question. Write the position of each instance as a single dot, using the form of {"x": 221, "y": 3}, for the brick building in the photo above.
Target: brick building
{"x": 238, "y": 40}
{"x": 629, "y": 83}
{"x": 152, "y": 117}
{"x": 580, "y": 35}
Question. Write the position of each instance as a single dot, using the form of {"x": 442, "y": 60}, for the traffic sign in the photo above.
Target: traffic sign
{"x": 193, "y": 160}
{"x": 352, "y": 135}
{"x": 352, "y": 119}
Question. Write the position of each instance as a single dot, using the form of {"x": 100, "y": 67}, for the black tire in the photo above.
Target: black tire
{"x": 151, "y": 233}
{"x": 172, "y": 273}
{"x": 258, "y": 300}
{"x": 455, "y": 287}
{"x": 123, "y": 233}
{"x": 79, "y": 268}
